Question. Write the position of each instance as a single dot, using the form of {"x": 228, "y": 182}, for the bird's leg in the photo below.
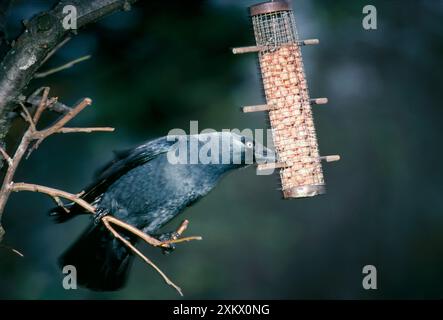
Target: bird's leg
{"x": 169, "y": 239}
{"x": 166, "y": 238}
{"x": 98, "y": 216}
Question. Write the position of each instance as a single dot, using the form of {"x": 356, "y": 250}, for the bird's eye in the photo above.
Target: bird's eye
{"x": 249, "y": 144}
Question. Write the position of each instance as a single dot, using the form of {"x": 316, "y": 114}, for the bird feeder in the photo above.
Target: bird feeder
{"x": 288, "y": 103}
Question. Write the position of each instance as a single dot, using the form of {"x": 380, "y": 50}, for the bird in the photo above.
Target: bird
{"x": 146, "y": 187}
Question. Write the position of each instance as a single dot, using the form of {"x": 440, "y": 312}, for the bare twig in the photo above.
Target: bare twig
{"x": 42, "y": 105}
{"x": 182, "y": 227}
{"x": 107, "y": 222}
{"x": 166, "y": 243}
{"x": 6, "y": 156}
{"x": 56, "y": 48}
{"x": 40, "y": 135}
{"x": 81, "y": 193}
{"x": 175, "y": 239}
{"x": 27, "y": 116}
{"x": 86, "y": 130}
{"x": 66, "y": 118}
{"x": 34, "y": 99}
{"x": 12, "y": 250}
{"x": 62, "y": 67}
{"x": 21, "y": 186}
{"x": 145, "y": 237}
{"x": 151, "y": 240}
{"x": 7, "y": 181}
{"x": 60, "y": 203}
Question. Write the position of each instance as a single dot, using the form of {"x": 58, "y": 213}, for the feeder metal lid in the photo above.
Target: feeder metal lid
{"x": 269, "y": 7}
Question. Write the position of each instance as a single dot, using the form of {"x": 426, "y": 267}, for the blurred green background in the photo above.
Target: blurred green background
{"x": 161, "y": 65}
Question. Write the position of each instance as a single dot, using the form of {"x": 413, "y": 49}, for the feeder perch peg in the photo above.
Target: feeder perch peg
{"x": 254, "y": 49}
{"x": 257, "y": 108}
{"x": 249, "y": 49}
{"x": 308, "y": 42}
{"x": 319, "y": 101}
{"x": 331, "y": 158}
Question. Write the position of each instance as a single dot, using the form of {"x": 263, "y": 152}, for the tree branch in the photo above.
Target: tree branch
{"x": 85, "y": 130}
{"x": 21, "y": 186}
{"x": 43, "y": 34}
{"x": 65, "y": 66}
{"x": 42, "y": 105}
{"x": 56, "y": 106}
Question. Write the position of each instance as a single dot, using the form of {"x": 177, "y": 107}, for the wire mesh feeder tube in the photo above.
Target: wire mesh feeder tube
{"x": 287, "y": 96}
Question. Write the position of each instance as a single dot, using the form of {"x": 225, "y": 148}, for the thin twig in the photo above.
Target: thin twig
{"x": 80, "y": 193}
{"x": 182, "y": 227}
{"x": 60, "y": 203}
{"x": 149, "y": 239}
{"x": 86, "y": 130}
{"x": 40, "y": 135}
{"x": 166, "y": 243}
{"x": 12, "y": 249}
{"x": 22, "y": 186}
{"x": 66, "y": 118}
{"x": 175, "y": 239}
{"x": 107, "y": 222}
{"x": 27, "y": 116}
{"x": 42, "y": 105}
{"x": 5, "y": 190}
{"x": 6, "y": 156}
{"x": 54, "y": 104}
{"x": 145, "y": 237}
{"x": 56, "y": 48}
{"x": 33, "y": 95}
{"x": 61, "y": 68}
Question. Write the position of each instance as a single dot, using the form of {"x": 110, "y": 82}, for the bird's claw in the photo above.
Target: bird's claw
{"x": 165, "y": 237}
{"x": 97, "y": 217}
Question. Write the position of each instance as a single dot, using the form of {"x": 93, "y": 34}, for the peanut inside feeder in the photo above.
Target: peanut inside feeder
{"x": 287, "y": 99}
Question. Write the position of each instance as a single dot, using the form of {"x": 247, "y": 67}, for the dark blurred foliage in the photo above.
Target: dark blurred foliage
{"x": 162, "y": 64}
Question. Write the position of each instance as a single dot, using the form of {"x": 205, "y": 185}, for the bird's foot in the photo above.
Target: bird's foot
{"x": 97, "y": 217}
{"x": 165, "y": 237}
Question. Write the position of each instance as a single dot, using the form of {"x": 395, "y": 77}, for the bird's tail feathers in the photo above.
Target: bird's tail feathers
{"x": 101, "y": 261}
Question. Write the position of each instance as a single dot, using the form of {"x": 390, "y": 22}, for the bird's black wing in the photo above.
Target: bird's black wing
{"x": 123, "y": 162}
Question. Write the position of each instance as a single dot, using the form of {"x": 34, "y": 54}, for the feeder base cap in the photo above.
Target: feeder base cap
{"x": 304, "y": 191}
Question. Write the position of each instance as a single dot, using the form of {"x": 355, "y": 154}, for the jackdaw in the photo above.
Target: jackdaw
{"x": 146, "y": 187}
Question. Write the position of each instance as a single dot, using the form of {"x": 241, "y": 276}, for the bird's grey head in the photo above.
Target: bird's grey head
{"x": 227, "y": 149}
